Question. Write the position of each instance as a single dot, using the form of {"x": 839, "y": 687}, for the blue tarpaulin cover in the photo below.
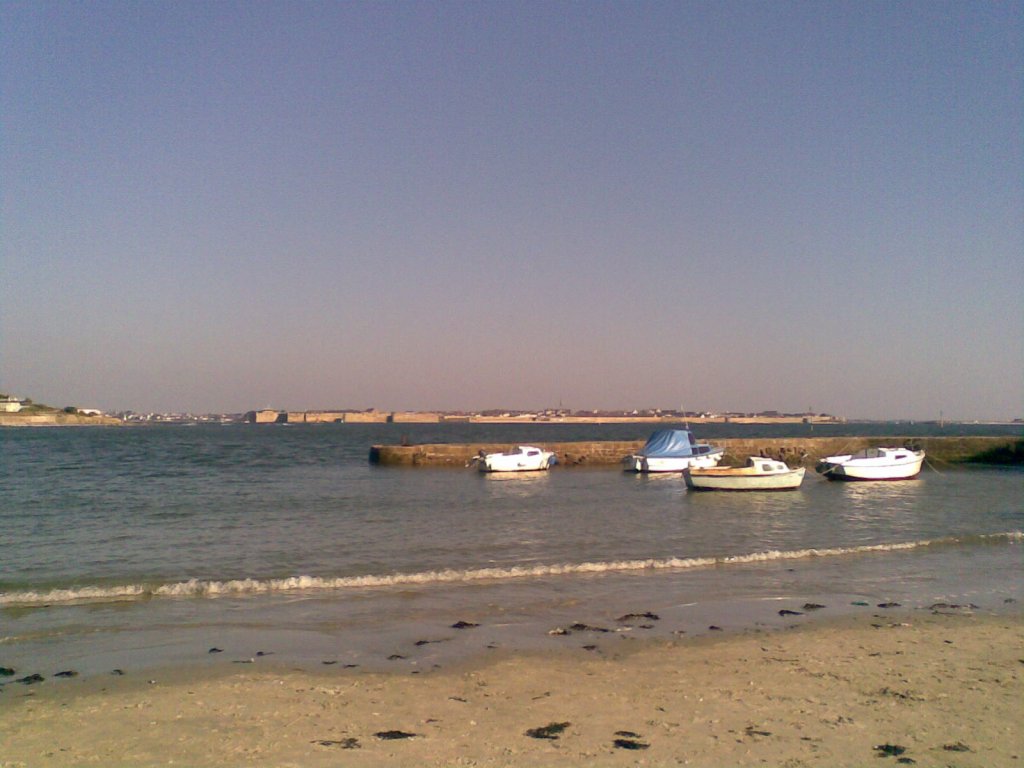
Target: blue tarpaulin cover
{"x": 669, "y": 443}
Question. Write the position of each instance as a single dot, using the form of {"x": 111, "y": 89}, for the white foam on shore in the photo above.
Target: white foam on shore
{"x": 200, "y": 588}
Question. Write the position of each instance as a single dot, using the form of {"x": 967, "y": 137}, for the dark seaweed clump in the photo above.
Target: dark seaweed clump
{"x": 549, "y": 731}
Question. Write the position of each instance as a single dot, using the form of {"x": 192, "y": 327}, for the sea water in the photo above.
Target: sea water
{"x": 144, "y": 547}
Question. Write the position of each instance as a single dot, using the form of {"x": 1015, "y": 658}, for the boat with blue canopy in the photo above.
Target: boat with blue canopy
{"x": 673, "y": 450}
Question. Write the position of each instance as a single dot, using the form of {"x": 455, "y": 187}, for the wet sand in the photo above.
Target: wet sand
{"x": 911, "y": 687}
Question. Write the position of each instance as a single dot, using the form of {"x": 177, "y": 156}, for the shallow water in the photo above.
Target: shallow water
{"x": 129, "y": 548}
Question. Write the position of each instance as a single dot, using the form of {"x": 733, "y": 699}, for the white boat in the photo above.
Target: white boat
{"x": 672, "y": 450}
{"x": 759, "y": 474}
{"x": 873, "y": 464}
{"x": 526, "y": 458}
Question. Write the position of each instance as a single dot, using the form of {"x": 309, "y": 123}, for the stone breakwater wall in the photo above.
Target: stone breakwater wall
{"x": 56, "y": 419}
{"x": 270, "y": 416}
{"x": 794, "y": 451}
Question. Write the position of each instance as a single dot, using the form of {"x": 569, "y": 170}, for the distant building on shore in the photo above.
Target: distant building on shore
{"x": 266, "y": 416}
{"x": 10, "y": 404}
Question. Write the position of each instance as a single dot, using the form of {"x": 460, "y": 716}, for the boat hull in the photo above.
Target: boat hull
{"x": 529, "y": 460}
{"x": 506, "y": 467}
{"x": 640, "y": 463}
{"x": 904, "y": 465}
{"x": 727, "y": 479}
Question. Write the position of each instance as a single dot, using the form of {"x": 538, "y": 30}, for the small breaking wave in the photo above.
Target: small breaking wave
{"x": 202, "y": 588}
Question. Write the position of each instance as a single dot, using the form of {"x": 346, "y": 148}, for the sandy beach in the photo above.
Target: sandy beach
{"x": 916, "y": 687}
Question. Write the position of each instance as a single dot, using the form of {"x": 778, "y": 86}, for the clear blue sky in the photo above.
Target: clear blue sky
{"x": 218, "y": 206}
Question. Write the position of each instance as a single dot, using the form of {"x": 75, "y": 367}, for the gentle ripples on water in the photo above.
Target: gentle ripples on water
{"x": 253, "y": 512}
{"x": 153, "y": 507}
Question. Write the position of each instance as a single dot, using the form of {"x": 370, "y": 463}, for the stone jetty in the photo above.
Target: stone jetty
{"x": 793, "y": 450}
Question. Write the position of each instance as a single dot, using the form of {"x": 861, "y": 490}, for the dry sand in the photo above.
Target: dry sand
{"x": 946, "y": 689}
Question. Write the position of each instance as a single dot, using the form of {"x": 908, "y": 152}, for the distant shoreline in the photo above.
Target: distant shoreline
{"x": 62, "y": 418}
{"x": 373, "y": 416}
{"x": 272, "y": 416}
